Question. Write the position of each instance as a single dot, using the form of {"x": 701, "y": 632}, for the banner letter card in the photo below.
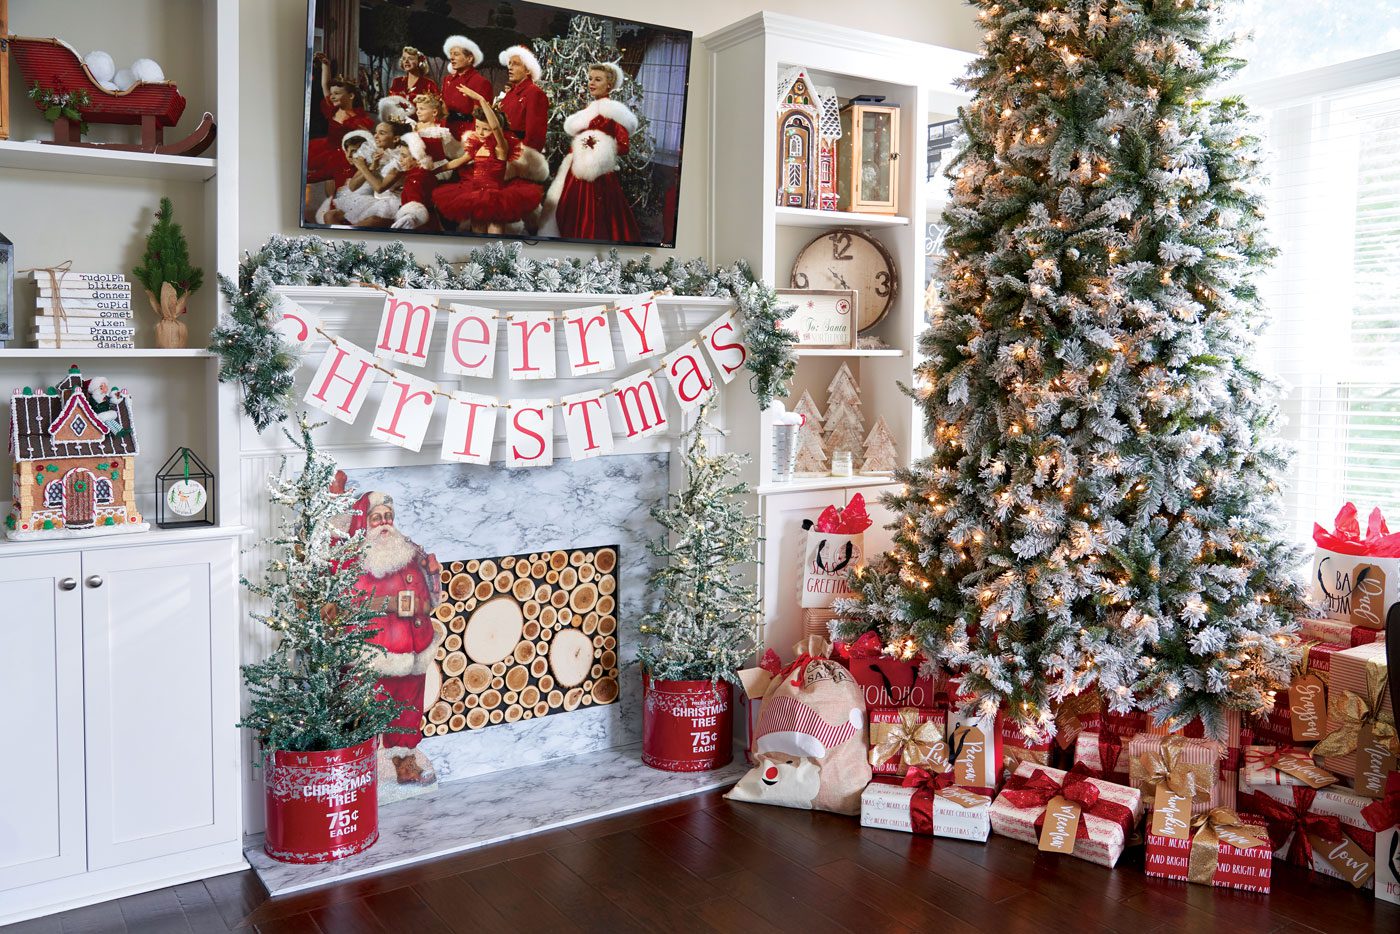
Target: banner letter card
{"x": 639, "y": 319}
{"x": 689, "y": 375}
{"x": 341, "y": 382}
{"x": 724, "y": 343}
{"x": 529, "y": 433}
{"x": 586, "y": 424}
{"x": 640, "y": 409}
{"x": 589, "y": 340}
{"x": 530, "y": 344}
{"x": 471, "y": 341}
{"x": 405, "y": 411}
{"x": 298, "y": 325}
{"x": 406, "y": 327}
{"x": 471, "y": 428}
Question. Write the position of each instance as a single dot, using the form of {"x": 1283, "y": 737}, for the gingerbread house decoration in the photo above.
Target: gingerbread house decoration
{"x": 74, "y": 454}
{"x": 809, "y": 124}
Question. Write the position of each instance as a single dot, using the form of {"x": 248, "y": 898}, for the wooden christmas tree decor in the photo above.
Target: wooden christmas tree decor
{"x": 879, "y": 455}
{"x": 74, "y": 457}
{"x": 169, "y": 278}
{"x": 812, "y": 458}
{"x": 845, "y": 425}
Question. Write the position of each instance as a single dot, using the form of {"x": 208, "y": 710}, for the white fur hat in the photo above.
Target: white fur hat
{"x": 619, "y": 76}
{"x": 147, "y": 69}
{"x": 101, "y": 66}
{"x": 364, "y": 136}
{"x": 462, "y": 42}
{"x": 532, "y": 64}
{"x": 395, "y": 109}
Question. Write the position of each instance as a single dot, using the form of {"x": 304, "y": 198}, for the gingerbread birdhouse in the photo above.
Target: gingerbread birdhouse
{"x": 809, "y": 124}
{"x": 74, "y": 455}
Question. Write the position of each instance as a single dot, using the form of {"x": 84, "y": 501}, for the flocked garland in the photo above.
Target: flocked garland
{"x": 256, "y": 357}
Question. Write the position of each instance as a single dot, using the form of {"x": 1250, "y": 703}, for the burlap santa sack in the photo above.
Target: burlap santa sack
{"x": 809, "y": 747}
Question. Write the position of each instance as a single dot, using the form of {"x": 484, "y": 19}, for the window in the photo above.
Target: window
{"x": 53, "y": 494}
{"x": 1289, "y": 36}
{"x": 102, "y": 489}
{"x": 662, "y": 76}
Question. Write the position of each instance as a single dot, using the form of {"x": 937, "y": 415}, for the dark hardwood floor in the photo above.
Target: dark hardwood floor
{"x": 703, "y": 864}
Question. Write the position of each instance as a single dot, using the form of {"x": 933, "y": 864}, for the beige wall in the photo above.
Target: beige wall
{"x": 273, "y": 61}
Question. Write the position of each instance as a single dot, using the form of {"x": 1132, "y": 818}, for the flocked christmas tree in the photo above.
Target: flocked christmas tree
{"x": 1101, "y": 507}
{"x": 811, "y": 450}
{"x": 316, "y": 690}
{"x": 707, "y": 622}
{"x": 845, "y": 425}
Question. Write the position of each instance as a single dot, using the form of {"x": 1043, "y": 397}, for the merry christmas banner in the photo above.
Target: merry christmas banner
{"x": 632, "y": 407}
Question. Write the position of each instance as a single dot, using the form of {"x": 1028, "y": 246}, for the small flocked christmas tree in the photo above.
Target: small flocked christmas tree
{"x": 707, "y": 622}
{"x": 1101, "y": 509}
{"x": 845, "y": 425}
{"x": 316, "y": 691}
{"x": 880, "y": 455}
{"x": 167, "y": 276}
{"x": 811, "y": 450}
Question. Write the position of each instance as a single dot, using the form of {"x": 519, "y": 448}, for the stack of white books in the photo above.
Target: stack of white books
{"x": 95, "y": 312}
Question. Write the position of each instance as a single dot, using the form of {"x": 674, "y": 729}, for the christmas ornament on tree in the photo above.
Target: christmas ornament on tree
{"x": 811, "y": 451}
{"x": 845, "y": 425}
{"x": 169, "y": 278}
{"x": 1101, "y": 510}
{"x": 879, "y": 456}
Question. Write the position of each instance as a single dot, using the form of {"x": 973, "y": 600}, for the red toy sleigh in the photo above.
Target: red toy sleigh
{"x": 153, "y": 105}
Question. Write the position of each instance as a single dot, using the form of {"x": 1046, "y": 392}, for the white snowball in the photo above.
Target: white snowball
{"x": 108, "y": 85}
{"x": 101, "y": 66}
{"x": 147, "y": 69}
{"x": 124, "y": 79}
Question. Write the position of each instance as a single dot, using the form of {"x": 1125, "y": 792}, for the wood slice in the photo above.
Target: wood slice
{"x": 456, "y": 724}
{"x": 496, "y": 716}
{"x": 454, "y": 664}
{"x": 566, "y": 616}
{"x": 598, "y": 641}
{"x": 559, "y": 560}
{"x": 609, "y": 642}
{"x": 504, "y": 581}
{"x": 590, "y": 624}
{"x": 555, "y": 698}
{"x": 458, "y": 624}
{"x": 531, "y": 630}
{"x": 476, "y": 719}
{"x": 487, "y": 570}
{"x": 499, "y": 668}
{"x": 455, "y": 566}
{"x": 584, "y": 597}
{"x": 460, "y": 587}
{"x": 588, "y": 700}
{"x": 541, "y": 709}
{"x": 484, "y": 590}
{"x": 441, "y": 729}
{"x": 607, "y": 584}
{"x": 606, "y": 604}
{"x": 493, "y": 630}
{"x": 546, "y": 682}
{"x": 445, "y": 612}
{"x": 570, "y": 657}
{"x": 558, "y": 598}
{"x": 527, "y": 714}
{"x": 524, "y": 653}
{"x": 510, "y": 697}
{"x": 491, "y": 698}
{"x": 523, "y": 589}
{"x": 440, "y": 654}
{"x": 531, "y": 609}
{"x": 538, "y": 569}
{"x": 572, "y": 699}
{"x": 552, "y": 577}
{"x": 472, "y": 701}
{"x": 452, "y": 690}
{"x": 605, "y": 690}
{"x": 586, "y": 572}
{"x": 530, "y": 696}
{"x": 542, "y": 592}
{"x": 459, "y": 706}
{"x": 498, "y": 682}
{"x": 513, "y": 713}
{"x": 606, "y": 560}
{"x": 508, "y": 562}
{"x": 477, "y": 678}
{"x": 608, "y": 659}
{"x": 568, "y": 578}
{"x": 452, "y": 643}
{"x": 432, "y": 684}
{"x": 607, "y": 625}
{"x": 472, "y": 565}
{"x": 596, "y": 671}
{"x": 427, "y": 729}
{"x": 439, "y": 712}
{"x": 549, "y": 616}
{"x": 577, "y": 558}
{"x": 519, "y": 676}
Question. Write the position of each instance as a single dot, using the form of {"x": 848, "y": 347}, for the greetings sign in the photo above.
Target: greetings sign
{"x": 632, "y": 407}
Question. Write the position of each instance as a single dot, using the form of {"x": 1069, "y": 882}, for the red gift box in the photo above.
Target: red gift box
{"x": 1107, "y": 812}
{"x": 1321, "y": 829}
{"x": 899, "y": 727}
{"x": 1208, "y": 857}
{"x": 1101, "y": 755}
{"x": 1335, "y": 632}
{"x": 888, "y": 681}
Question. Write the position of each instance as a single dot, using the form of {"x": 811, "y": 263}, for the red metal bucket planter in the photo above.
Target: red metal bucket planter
{"x": 687, "y": 726}
{"x": 322, "y": 806}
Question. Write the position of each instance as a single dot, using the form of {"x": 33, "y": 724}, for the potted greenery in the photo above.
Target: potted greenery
{"x": 168, "y": 277}
{"x": 706, "y": 624}
{"x": 313, "y": 701}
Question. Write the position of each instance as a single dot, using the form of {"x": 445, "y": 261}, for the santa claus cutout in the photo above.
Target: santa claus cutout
{"x": 404, "y": 584}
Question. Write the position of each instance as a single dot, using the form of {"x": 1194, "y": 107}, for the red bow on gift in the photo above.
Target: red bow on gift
{"x": 1384, "y": 813}
{"x": 870, "y": 645}
{"x": 1345, "y": 539}
{"x": 926, "y": 785}
{"x": 1296, "y": 820}
{"x": 1110, "y": 749}
{"x": 849, "y": 521}
{"x": 1271, "y": 760}
{"x": 1036, "y": 790}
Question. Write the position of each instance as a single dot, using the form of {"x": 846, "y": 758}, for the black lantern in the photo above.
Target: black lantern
{"x": 184, "y": 492}
{"x": 7, "y": 290}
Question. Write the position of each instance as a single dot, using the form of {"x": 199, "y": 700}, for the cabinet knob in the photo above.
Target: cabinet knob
{"x": 67, "y": 583}
{"x": 94, "y": 581}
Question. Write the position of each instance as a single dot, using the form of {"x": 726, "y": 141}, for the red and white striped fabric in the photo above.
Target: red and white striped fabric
{"x": 789, "y": 725}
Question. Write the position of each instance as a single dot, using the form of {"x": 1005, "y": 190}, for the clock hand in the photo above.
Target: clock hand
{"x": 838, "y": 277}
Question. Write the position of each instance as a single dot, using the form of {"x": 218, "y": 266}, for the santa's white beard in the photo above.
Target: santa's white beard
{"x": 386, "y": 550}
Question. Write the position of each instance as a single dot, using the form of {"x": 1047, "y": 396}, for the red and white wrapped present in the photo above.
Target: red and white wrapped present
{"x": 928, "y": 803}
{"x": 1101, "y": 755}
{"x": 1361, "y": 741}
{"x": 1339, "y": 633}
{"x": 1299, "y": 714}
{"x": 1183, "y": 765}
{"x": 903, "y": 737}
{"x": 1233, "y": 740}
{"x": 1356, "y": 579}
{"x": 1282, "y": 765}
{"x": 1067, "y": 812}
{"x": 1219, "y": 848}
{"x": 1383, "y": 816}
{"x": 1321, "y": 829}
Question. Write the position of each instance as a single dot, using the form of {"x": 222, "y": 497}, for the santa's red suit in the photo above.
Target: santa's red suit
{"x": 402, "y": 600}
{"x": 586, "y": 197}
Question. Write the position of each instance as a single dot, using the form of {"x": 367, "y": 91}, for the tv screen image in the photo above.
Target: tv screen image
{"x": 490, "y": 118}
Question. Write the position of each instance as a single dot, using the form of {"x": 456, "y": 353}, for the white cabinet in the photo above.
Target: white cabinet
{"x": 126, "y": 675}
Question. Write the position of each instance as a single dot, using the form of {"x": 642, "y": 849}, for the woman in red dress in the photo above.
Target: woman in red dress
{"x": 586, "y": 197}
{"x": 489, "y": 201}
{"x": 432, "y": 146}
{"x": 414, "y": 80}
{"x": 463, "y": 55}
{"x": 340, "y": 104}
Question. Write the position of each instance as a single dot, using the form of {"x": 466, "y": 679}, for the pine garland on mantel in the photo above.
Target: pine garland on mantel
{"x": 256, "y": 357}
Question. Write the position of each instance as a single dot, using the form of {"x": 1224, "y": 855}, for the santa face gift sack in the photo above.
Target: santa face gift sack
{"x": 835, "y": 547}
{"x": 809, "y": 748}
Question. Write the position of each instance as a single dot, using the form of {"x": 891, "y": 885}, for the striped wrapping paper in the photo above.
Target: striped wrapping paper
{"x": 1204, "y": 756}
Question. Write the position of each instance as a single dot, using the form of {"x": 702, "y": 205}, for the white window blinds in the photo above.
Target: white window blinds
{"x": 1334, "y": 298}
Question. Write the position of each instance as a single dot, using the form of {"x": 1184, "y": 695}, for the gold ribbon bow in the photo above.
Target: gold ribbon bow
{"x": 1217, "y": 826}
{"x": 1164, "y": 767}
{"x": 60, "y": 315}
{"x": 1353, "y": 712}
{"x": 914, "y": 741}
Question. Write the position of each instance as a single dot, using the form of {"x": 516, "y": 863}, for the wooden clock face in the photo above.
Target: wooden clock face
{"x": 849, "y": 259}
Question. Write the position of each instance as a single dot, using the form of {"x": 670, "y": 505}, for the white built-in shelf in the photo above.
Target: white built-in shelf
{"x": 87, "y": 160}
{"x": 809, "y": 484}
{"x": 847, "y": 352}
{"x": 806, "y": 217}
{"x": 155, "y": 536}
{"x": 98, "y": 353}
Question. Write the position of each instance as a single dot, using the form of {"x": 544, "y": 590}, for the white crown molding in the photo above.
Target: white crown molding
{"x": 1318, "y": 82}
